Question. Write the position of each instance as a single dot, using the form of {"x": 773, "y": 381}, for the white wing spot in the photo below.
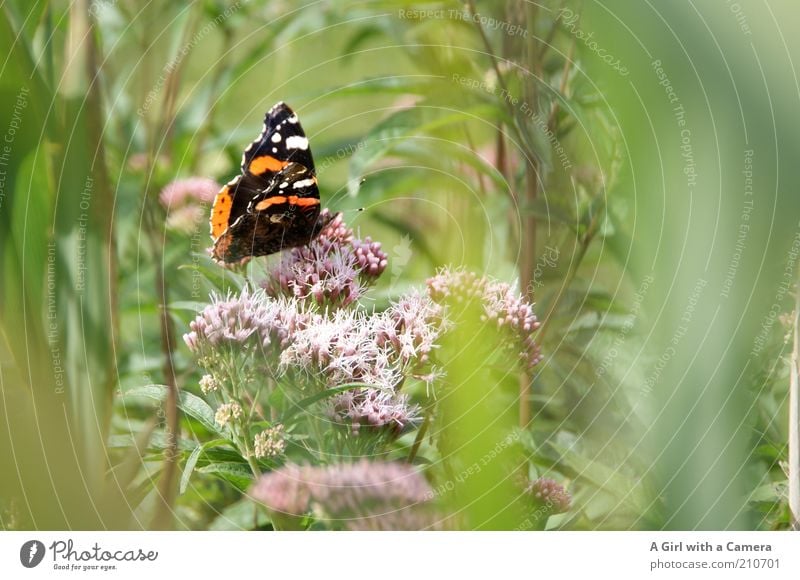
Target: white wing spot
{"x": 297, "y": 142}
{"x": 284, "y": 185}
{"x": 303, "y": 183}
{"x": 276, "y": 138}
{"x": 293, "y": 119}
{"x": 274, "y": 149}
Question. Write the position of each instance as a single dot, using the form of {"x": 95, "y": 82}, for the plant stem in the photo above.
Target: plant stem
{"x": 551, "y": 121}
{"x": 513, "y": 112}
{"x": 420, "y": 436}
{"x": 251, "y": 461}
{"x": 585, "y": 242}
{"x": 533, "y": 180}
{"x": 163, "y": 130}
{"x": 103, "y": 208}
{"x": 794, "y": 419}
{"x": 163, "y": 517}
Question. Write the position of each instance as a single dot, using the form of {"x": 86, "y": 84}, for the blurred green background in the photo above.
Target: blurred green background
{"x": 632, "y": 165}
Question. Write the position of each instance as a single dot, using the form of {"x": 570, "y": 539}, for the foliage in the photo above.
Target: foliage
{"x": 497, "y": 162}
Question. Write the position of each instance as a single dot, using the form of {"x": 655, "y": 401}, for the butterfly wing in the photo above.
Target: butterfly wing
{"x": 230, "y": 203}
{"x": 274, "y": 203}
{"x": 282, "y": 141}
{"x": 284, "y": 215}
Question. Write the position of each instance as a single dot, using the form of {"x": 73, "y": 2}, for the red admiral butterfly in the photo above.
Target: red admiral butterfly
{"x": 274, "y": 203}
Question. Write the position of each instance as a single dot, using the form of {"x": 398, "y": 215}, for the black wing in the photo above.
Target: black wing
{"x": 282, "y": 141}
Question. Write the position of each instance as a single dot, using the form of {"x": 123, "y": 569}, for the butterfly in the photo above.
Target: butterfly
{"x": 274, "y": 203}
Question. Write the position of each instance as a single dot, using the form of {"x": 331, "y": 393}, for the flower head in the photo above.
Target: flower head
{"x": 245, "y": 318}
{"x": 226, "y": 413}
{"x": 284, "y": 491}
{"x": 186, "y": 201}
{"x": 374, "y": 348}
{"x": 333, "y": 269}
{"x": 500, "y": 305}
{"x": 374, "y": 408}
{"x": 190, "y": 190}
{"x": 359, "y": 496}
{"x": 550, "y": 494}
{"x": 415, "y": 324}
{"x": 270, "y": 443}
{"x": 208, "y": 384}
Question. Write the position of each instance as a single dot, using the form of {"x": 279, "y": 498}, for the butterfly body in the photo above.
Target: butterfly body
{"x": 274, "y": 203}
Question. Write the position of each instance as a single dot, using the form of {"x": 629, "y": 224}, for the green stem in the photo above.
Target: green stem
{"x": 586, "y": 241}
{"x": 420, "y": 436}
{"x": 517, "y": 126}
{"x": 794, "y": 419}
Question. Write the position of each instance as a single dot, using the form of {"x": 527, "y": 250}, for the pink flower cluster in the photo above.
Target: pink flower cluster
{"x": 368, "y": 407}
{"x": 414, "y": 324}
{"x": 550, "y": 494}
{"x": 360, "y": 496}
{"x": 501, "y": 306}
{"x": 380, "y": 349}
{"x": 187, "y": 200}
{"x": 333, "y": 269}
{"x": 347, "y": 346}
{"x": 244, "y": 317}
{"x": 374, "y": 348}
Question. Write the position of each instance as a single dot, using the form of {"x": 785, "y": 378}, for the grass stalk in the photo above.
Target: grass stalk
{"x": 794, "y": 419}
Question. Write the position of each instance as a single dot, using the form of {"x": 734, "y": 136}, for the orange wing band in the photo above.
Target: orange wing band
{"x": 303, "y": 201}
{"x": 220, "y": 212}
{"x": 260, "y": 165}
{"x": 291, "y": 200}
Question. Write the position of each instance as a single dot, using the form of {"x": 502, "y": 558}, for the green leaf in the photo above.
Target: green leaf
{"x": 223, "y": 280}
{"x": 604, "y": 478}
{"x": 221, "y": 455}
{"x": 236, "y": 474}
{"x": 400, "y": 84}
{"x": 158, "y": 441}
{"x": 191, "y": 462}
{"x": 188, "y": 305}
{"x": 190, "y": 404}
{"x": 135, "y": 494}
{"x": 245, "y": 514}
{"x": 548, "y": 212}
{"x": 769, "y": 492}
{"x": 361, "y": 36}
{"x": 411, "y": 133}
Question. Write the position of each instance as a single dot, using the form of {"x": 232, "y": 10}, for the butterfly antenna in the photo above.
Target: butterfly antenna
{"x": 355, "y": 210}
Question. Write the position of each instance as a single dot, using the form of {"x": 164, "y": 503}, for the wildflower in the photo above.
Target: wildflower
{"x": 193, "y": 189}
{"x": 137, "y": 162}
{"x": 270, "y": 443}
{"x": 372, "y": 408}
{"x": 359, "y": 496}
{"x": 226, "y": 413}
{"x": 334, "y": 268}
{"x": 186, "y": 201}
{"x": 237, "y": 318}
{"x": 229, "y": 320}
{"x": 374, "y": 348}
{"x": 417, "y": 323}
{"x": 208, "y": 384}
{"x": 342, "y": 349}
{"x": 550, "y": 494}
{"x": 284, "y": 491}
{"x": 500, "y": 306}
